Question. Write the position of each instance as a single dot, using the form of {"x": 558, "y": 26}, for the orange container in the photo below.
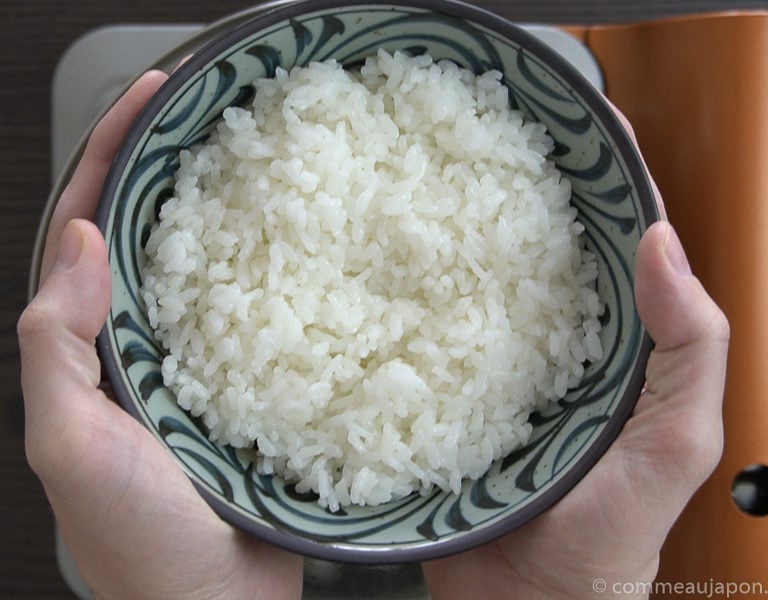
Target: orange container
{"x": 696, "y": 92}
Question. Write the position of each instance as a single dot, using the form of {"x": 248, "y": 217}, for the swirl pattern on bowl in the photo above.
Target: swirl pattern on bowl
{"x": 610, "y": 191}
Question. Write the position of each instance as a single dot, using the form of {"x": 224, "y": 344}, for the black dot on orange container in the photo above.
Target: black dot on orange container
{"x": 749, "y": 490}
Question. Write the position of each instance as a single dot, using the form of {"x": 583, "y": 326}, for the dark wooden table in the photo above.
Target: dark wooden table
{"x": 33, "y": 35}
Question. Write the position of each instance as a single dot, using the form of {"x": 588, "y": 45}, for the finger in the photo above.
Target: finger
{"x": 673, "y": 305}
{"x": 673, "y": 440}
{"x": 182, "y": 61}
{"x": 80, "y": 197}
{"x": 681, "y": 410}
{"x": 57, "y": 332}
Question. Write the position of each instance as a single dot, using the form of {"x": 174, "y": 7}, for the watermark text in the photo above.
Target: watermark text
{"x": 710, "y": 588}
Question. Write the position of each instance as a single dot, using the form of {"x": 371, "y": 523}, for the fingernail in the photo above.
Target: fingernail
{"x": 70, "y": 247}
{"x": 675, "y": 253}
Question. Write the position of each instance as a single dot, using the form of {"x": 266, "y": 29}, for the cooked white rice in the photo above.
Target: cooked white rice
{"x": 374, "y": 276}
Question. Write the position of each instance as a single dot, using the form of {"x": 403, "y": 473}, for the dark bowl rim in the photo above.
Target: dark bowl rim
{"x": 605, "y": 114}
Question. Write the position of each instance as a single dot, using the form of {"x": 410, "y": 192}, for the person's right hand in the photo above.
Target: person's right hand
{"x": 133, "y": 520}
{"x": 607, "y": 532}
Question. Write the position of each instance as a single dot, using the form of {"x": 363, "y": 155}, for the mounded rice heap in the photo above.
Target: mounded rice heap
{"x": 373, "y": 276}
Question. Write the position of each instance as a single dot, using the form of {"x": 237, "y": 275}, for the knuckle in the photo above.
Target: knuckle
{"x": 36, "y": 456}
{"x": 41, "y": 456}
{"x": 720, "y": 326}
{"x": 34, "y": 320}
{"x": 701, "y": 447}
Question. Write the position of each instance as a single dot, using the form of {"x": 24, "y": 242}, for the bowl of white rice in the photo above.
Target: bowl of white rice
{"x": 372, "y": 269}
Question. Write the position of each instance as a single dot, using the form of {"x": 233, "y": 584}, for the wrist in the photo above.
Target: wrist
{"x": 636, "y": 584}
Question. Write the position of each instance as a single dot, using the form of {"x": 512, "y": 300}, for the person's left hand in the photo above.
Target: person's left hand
{"x": 132, "y": 519}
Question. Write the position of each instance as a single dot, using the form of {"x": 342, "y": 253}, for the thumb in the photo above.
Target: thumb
{"x": 57, "y": 333}
{"x": 79, "y": 286}
{"x": 674, "y": 306}
{"x": 689, "y": 330}
{"x": 678, "y": 419}
{"x": 673, "y": 440}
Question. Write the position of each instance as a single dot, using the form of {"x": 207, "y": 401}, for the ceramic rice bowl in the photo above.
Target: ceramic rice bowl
{"x": 611, "y": 192}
